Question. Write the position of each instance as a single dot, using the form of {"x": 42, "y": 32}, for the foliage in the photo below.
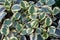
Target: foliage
{"x": 29, "y": 18}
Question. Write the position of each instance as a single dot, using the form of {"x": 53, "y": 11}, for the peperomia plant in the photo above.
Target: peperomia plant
{"x": 29, "y": 18}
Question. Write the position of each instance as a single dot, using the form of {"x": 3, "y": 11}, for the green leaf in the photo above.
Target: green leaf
{"x": 22, "y": 37}
{"x": 9, "y": 1}
{"x": 48, "y": 21}
{"x": 34, "y": 24}
{"x": 29, "y": 31}
{"x": 2, "y": 15}
{"x": 6, "y": 38}
{"x": 23, "y": 32}
{"x": 33, "y": 37}
{"x": 50, "y": 2}
{"x": 4, "y": 30}
{"x": 47, "y": 9}
{"x": 45, "y": 36}
{"x": 33, "y": 17}
{"x": 42, "y": 16}
{"x": 16, "y": 16}
{"x": 39, "y": 37}
{"x": 15, "y": 7}
{"x": 13, "y": 38}
{"x": 43, "y": 1}
{"x": 31, "y": 2}
{"x": 2, "y": 1}
{"x": 32, "y": 9}
{"x": 57, "y": 32}
{"x": 7, "y": 22}
{"x": 56, "y": 10}
{"x": 18, "y": 27}
{"x": 38, "y": 31}
{"x": 7, "y": 5}
{"x": 51, "y": 30}
{"x": 24, "y": 4}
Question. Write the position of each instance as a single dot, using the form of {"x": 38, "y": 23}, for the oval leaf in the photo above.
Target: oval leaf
{"x": 56, "y": 10}
{"x": 7, "y": 5}
{"x": 24, "y": 32}
{"x": 42, "y": 16}
{"x": 18, "y": 27}
{"x": 51, "y": 30}
{"x": 48, "y": 21}
{"x": 50, "y": 2}
{"x": 38, "y": 31}
{"x": 7, "y": 22}
{"x": 45, "y": 35}
{"x": 24, "y": 4}
{"x": 34, "y": 24}
{"x": 16, "y": 16}
{"x": 2, "y": 14}
{"x": 29, "y": 31}
{"x": 2, "y": 1}
{"x": 4, "y": 31}
{"x": 32, "y": 9}
{"x": 15, "y": 7}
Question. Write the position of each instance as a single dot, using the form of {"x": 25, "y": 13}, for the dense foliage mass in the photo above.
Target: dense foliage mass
{"x": 28, "y": 18}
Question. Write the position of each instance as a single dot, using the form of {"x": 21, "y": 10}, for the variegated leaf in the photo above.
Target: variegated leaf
{"x": 32, "y": 9}
{"x": 56, "y": 10}
{"x": 5, "y": 31}
{"x": 24, "y": 4}
{"x": 13, "y": 38}
{"x": 15, "y": 8}
{"x": 48, "y": 21}
{"x": 51, "y": 30}
{"x": 7, "y": 22}
{"x": 42, "y": 16}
